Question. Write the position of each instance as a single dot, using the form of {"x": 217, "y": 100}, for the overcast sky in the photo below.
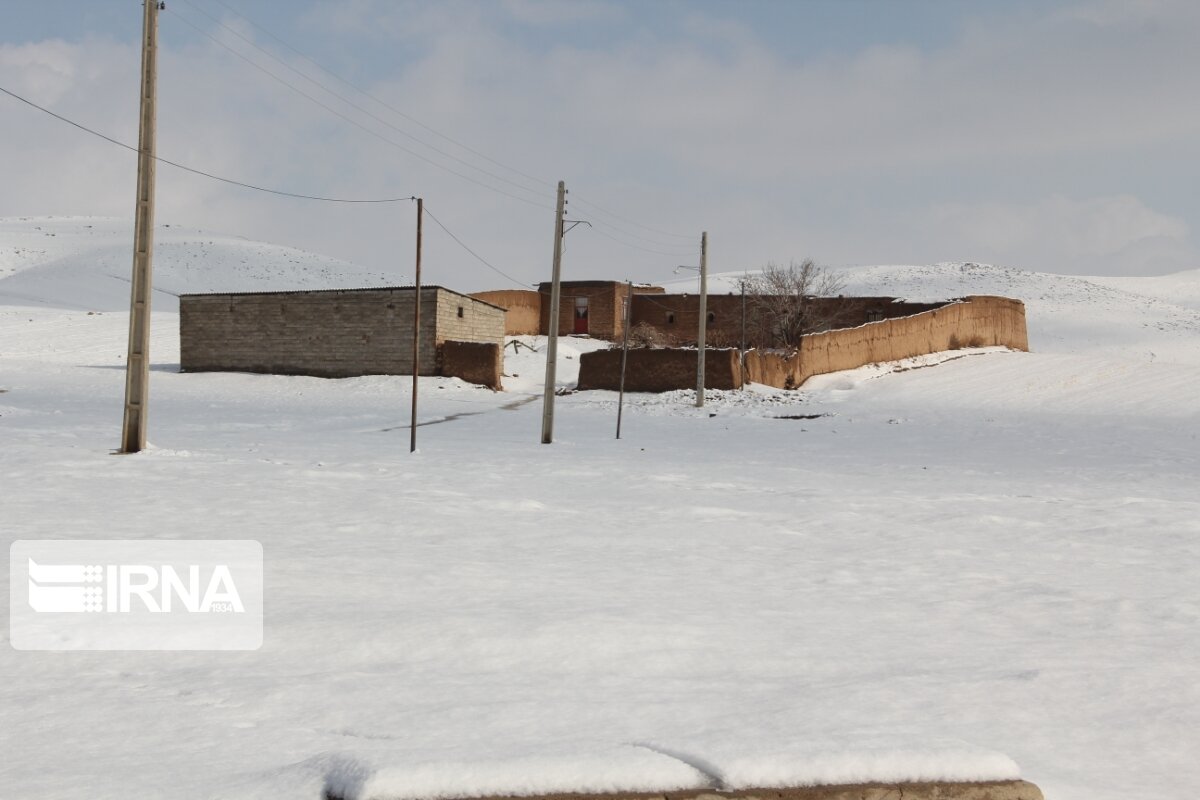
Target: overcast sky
{"x": 1056, "y": 136}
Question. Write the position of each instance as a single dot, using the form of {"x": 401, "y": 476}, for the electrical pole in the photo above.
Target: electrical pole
{"x": 552, "y": 337}
{"x": 137, "y": 361}
{"x": 624, "y": 352}
{"x": 416, "y": 357}
{"x": 703, "y": 320}
{"x": 742, "y": 355}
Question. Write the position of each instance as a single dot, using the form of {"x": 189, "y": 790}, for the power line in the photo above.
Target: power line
{"x": 298, "y": 195}
{"x": 200, "y": 172}
{"x": 614, "y": 215}
{"x": 595, "y": 207}
{"x": 352, "y": 121}
{"x": 656, "y": 242}
{"x": 384, "y": 104}
{"x": 354, "y": 105}
{"x": 478, "y": 257}
{"x": 640, "y": 247}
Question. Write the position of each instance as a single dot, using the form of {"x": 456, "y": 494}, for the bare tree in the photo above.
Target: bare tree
{"x": 788, "y": 302}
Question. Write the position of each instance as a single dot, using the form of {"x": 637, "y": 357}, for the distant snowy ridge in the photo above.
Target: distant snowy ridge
{"x": 84, "y": 263}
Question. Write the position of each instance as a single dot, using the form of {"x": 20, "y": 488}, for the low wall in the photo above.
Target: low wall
{"x": 522, "y": 309}
{"x": 658, "y": 369}
{"x": 978, "y": 321}
{"x": 676, "y": 316}
{"x": 473, "y": 362}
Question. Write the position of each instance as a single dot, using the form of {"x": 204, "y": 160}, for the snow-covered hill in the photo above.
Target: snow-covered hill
{"x": 1180, "y": 288}
{"x": 84, "y": 263}
{"x": 961, "y": 566}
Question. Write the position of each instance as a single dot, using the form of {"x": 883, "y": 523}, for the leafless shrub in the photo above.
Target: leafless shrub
{"x": 785, "y": 302}
{"x": 645, "y": 335}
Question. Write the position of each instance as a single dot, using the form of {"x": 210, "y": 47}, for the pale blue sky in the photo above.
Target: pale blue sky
{"x": 1059, "y": 136}
{"x": 799, "y": 29}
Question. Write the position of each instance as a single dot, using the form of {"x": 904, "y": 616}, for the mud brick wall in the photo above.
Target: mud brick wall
{"x": 522, "y": 309}
{"x": 474, "y": 362}
{"x": 658, "y": 369}
{"x": 677, "y": 316}
{"x": 978, "y": 321}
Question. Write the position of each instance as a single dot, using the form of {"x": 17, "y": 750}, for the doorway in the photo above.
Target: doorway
{"x": 581, "y": 315}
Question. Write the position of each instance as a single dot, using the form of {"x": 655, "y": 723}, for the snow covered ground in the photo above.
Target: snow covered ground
{"x": 974, "y": 565}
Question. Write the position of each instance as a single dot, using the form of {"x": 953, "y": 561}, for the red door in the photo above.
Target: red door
{"x": 581, "y": 315}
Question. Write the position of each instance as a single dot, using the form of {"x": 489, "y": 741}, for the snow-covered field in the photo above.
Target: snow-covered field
{"x": 969, "y": 566}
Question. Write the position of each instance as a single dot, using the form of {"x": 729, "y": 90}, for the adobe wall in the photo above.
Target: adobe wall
{"x": 523, "y": 309}
{"x": 474, "y": 362}
{"x": 677, "y": 316}
{"x": 977, "y": 321}
{"x": 658, "y": 369}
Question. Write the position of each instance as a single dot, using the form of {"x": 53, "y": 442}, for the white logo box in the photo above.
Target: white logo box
{"x": 129, "y": 594}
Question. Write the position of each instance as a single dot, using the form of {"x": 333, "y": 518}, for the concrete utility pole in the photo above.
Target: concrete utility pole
{"x": 624, "y": 352}
{"x": 700, "y": 341}
{"x": 742, "y": 353}
{"x": 416, "y": 358}
{"x": 552, "y": 338}
{"x": 137, "y": 361}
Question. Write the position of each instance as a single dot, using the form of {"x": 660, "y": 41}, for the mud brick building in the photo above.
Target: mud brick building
{"x": 597, "y": 309}
{"x": 586, "y": 308}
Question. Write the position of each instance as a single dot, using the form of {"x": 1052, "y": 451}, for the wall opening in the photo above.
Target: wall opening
{"x": 581, "y": 315}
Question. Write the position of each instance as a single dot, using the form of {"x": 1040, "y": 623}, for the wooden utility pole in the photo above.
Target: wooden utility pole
{"x": 416, "y": 357}
{"x": 624, "y": 352}
{"x": 552, "y": 338}
{"x": 137, "y": 361}
{"x": 703, "y": 335}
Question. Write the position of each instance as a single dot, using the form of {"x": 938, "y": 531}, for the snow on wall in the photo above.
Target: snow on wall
{"x": 975, "y": 322}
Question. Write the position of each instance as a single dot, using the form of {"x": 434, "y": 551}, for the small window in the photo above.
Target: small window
{"x": 670, "y": 319}
{"x": 712, "y": 317}
{"x": 460, "y": 312}
{"x": 874, "y": 316}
